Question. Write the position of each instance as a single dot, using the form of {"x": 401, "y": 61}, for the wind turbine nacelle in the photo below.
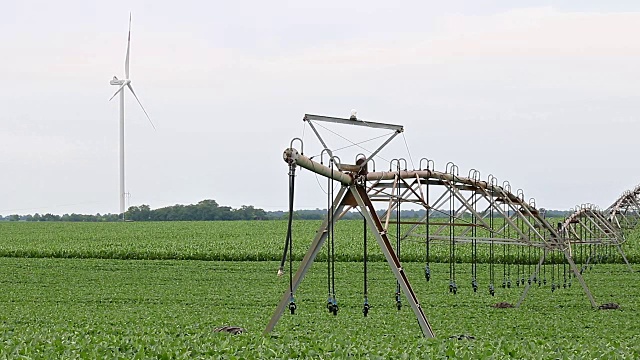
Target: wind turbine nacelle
{"x": 115, "y": 81}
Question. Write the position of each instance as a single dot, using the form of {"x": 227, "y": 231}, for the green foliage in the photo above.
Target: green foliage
{"x": 237, "y": 241}
{"x": 65, "y": 296}
{"x": 209, "y": 210}
{"x": 92, "y": 308}
{"x": 205, "y": 210}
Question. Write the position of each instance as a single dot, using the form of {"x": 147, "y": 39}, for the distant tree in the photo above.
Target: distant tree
{"x": 132, "y": 213}
{"x": 145, "y": 212}
{"x": 50, "y": 217}
{"x": 138, "y": 213}
{"x": 250, "y": 213}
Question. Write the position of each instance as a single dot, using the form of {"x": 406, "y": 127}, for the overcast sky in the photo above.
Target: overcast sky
{"x": 544, "y": 95}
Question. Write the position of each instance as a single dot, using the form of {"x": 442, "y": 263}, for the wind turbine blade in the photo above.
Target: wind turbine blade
{"x": 119, "y": 89}
{"x": 145, "y": 111}
{"x": 126, "y": 60}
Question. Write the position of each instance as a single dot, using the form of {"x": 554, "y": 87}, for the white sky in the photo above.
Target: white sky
{"x": 544, "y": 95}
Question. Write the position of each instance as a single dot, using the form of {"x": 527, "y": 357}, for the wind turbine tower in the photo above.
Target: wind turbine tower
{"x": 122, "y": 83}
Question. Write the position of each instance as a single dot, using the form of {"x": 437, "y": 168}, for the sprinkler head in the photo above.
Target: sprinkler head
{"x": 292, "y": 307}
{"x": 453, "y": 288}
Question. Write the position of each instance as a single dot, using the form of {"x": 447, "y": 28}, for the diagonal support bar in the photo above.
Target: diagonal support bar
{"x": 368, "y": 211}
{"x": 531, "y": 278}
{"x": 578, "y": 276}
{"x": 308, "y": 259}
{"x": 624, "y": 257}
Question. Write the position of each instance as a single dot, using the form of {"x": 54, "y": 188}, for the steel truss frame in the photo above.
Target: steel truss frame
{"x": 352, "y": 194}
{"x": 588, "y": 225}
{"x": 470, "y": 204}
{"x": 624, "y": 213}
{"x": 522, "y": 223}
{"x": 460, "y": 209}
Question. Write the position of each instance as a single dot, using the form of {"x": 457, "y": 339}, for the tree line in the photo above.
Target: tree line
{"x": 205, "y": 210}
{"x": 210, "y": 210}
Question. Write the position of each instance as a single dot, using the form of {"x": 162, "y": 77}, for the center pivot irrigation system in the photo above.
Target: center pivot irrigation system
{"x": 460, "y": 212}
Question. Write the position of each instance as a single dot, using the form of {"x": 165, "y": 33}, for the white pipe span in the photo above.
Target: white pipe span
{"x": 429, "y": 174}
{"x": 292, "y": 155}
{"x": 304, "y": 162}
{"x": 437, "y": 175}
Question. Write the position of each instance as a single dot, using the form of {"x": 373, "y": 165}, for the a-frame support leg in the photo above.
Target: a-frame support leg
{"x": 368, "y": 211}
{"x": 578, "y": 276}
{"x": 624, "y": 257}
{"x": 308, "y": 259}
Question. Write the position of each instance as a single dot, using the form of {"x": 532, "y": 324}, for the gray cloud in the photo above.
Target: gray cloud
{"x": 544, "y": 97}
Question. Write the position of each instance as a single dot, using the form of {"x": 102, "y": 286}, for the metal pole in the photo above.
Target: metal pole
{"x": 122, "y": 189}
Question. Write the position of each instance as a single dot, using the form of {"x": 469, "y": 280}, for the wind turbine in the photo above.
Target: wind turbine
{"x": 126, "y": 82}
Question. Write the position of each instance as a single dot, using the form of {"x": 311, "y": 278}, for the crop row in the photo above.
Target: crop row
{"x": 243, "y": 241}
{"x": 94, "y": 308}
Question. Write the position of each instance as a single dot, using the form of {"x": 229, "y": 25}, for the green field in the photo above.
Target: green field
{"x": 68, "y": 293}
{"x": 214, "y": 240}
